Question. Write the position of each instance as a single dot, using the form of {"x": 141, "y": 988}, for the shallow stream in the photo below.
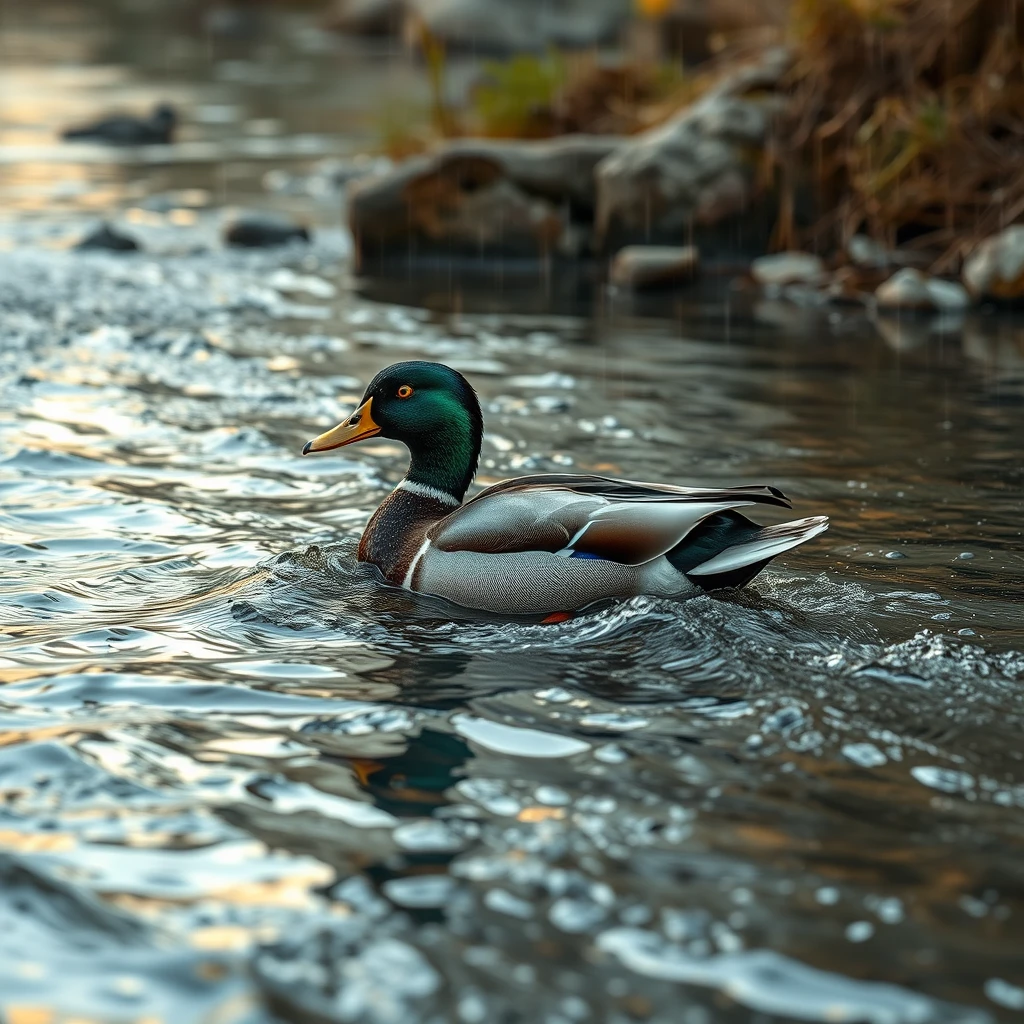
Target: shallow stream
{"x": 241, "y": 781}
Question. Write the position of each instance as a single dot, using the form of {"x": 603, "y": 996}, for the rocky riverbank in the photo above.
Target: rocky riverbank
{"x": 846, "y": 143}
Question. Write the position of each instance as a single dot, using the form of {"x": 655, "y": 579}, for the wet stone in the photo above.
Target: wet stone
{"x": 108, "y": 239}
{"x": 641, "y": 267}
{"x": 264, "y": 230}
{"x": 995, "y": 270}
{"x": 788, "y": 268}
{"x": 910, "y": 289}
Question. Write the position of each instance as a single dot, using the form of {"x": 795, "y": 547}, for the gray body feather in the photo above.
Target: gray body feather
{"x": 558, "y": 543}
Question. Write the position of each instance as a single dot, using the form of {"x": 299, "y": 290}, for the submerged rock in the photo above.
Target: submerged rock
{"x": 653, "y": 266}
{"x": 125, "y": 130}
{"x": 912, "y": 289}
{"x": 109, "y": 239}
{"x": 481, "y": 197}
{"x": 697, "y": 169}
{"x": 263, "y": 230}
{"x": 995, "y": 270}
{"x": 785, "y": 268}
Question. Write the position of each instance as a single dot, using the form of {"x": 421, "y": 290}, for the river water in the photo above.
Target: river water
{"x": 241, "y": 781}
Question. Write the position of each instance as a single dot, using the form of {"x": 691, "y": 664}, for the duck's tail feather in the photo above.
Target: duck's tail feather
{"x": 728, "y": 550}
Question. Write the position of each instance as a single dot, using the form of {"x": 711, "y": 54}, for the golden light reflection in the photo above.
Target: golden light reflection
{"x": 535, "y": 814}
{"x": 19, "y": 1013}
{"x": 36, "y": 842}
{"x": 182, "y": 218}
{"x": 292, "y": 891}
{"x": 16, "y": 736}
{"x": 230, "y": 938}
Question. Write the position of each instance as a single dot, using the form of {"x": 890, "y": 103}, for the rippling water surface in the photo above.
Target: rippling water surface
{"x": 241, "y": 781}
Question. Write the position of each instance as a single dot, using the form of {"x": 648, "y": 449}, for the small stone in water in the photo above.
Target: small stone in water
{"x": 108, "y": 239}
{"x": 966, "y": 554}
{"x": 611, "y": 754}
{"x": 653, "y": 266}
{"x": 895, "y": 554}
{"x": 827, "y": 895}
{"x": 251, "y": 231}
{"x": 788, "y": 268}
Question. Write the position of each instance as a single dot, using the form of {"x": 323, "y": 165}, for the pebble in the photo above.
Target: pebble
{"x": 906, "y": 289}
{"x": 912, "y": 289}
{"x": 995, "y": 270}
{"x": 263, "y": 230}
{"x": 107, "y": 239}
{"x": 948, "y": 296}
{"x": 788, "y": 268}
{"x": 653, "y": 266}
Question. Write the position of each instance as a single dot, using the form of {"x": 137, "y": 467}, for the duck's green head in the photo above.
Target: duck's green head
{"x": 431, "y": 409}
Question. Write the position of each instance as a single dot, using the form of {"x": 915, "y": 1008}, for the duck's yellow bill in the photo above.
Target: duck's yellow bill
{"x": 357, "y": 427}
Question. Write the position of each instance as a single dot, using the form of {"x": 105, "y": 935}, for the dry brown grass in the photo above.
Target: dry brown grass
{"x": 908, "y": 120}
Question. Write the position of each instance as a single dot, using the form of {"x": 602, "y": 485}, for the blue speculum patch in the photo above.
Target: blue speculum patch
{"x": 586, "y": 554}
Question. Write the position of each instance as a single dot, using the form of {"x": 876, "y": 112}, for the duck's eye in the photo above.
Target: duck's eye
{"x": 405, "y": 391}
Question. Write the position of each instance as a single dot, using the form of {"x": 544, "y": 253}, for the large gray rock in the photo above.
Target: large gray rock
{"x": 697, "y": 169}
{"x": 508, "y": 26}
{"x": 481, "y": 197}
{"x": 995, "y": 270}
{"x": 514, "y": 26}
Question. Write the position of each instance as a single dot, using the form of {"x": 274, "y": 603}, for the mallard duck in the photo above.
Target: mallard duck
{"x": 548, "y": 544}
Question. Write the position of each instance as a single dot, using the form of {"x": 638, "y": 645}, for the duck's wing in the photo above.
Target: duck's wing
{"x": 631, "y": 490}
{"x": 588, "y": 516}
